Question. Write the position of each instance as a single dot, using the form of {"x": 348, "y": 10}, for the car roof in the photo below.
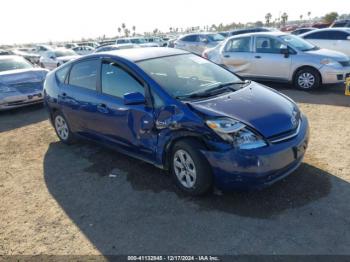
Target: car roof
{"x": 138, "y": 54}
{"x": 275, "y": 33}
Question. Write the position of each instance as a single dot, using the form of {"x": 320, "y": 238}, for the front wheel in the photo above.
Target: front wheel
{"x": 190, "y": 170}
{"x": 307, "y": 79}
{"x": 62, "y": 128}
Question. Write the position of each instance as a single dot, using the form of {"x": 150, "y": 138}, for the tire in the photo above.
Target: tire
{"x": 190, "y": 169}
{"x": 62, "y": 128}
{"x": 307, "y": 79}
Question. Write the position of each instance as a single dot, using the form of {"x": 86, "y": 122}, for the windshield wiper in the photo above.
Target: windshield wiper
{"x": 213, "y": 90}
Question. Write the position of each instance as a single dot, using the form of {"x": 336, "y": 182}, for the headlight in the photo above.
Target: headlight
{"x": 329, "y": 61}
{"x": 236, "y": 133}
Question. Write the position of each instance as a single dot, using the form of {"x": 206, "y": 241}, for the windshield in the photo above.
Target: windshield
{"x": 138, "y": 41}
{"x": 215, "y": 37}
{"x": 14, "y": 63}
{"x": 64, "y": 53}
{"x": 298, "y": 43}
{"x": 187, "y": 74}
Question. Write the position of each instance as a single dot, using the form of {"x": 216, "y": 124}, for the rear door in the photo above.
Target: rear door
{"x": 238, "y": 57}
{"x": 128, "y": 126}
{"x": 78, "y": 97}
{"x": 268, "y": 62}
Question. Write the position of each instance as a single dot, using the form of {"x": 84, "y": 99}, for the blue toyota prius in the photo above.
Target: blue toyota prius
{"x": 179, "y": 112}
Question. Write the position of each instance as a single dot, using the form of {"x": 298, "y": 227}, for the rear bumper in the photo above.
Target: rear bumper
{"x": 249, "y": 169}
{"x": 332, "y": 75}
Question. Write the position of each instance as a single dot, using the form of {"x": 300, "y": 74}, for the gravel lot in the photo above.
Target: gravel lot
{"x": 58, "y": 199}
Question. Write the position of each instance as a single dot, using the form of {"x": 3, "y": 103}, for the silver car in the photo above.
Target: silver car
{"x": 198, "y": 42}
{"x": 21, "y": 83}
{"x": 281, "y": 57}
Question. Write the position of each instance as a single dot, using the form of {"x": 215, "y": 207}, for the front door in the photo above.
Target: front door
{"x": 130, "y": 127}
{"x": 268, "y": 61}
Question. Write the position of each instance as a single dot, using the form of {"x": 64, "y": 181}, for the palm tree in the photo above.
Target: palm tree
{"x": 119, "y": 30}
{"x": 301, "y": 17}
{"x": 284, "y": 18}
{"x": 268, "y": 17}
{"x": 309, "y": 15}
{"x": 170, "y": 29}
{"x": 134, "y": 30}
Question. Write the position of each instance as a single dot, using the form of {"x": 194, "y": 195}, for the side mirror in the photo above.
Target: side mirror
{"x": 134, "y": 98}
{"x": 284, "y": 51}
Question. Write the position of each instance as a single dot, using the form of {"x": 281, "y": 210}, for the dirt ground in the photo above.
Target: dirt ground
{"x": 58, "y": 199}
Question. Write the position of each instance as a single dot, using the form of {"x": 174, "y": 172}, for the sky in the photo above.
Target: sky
{"x": 24, "y": 21}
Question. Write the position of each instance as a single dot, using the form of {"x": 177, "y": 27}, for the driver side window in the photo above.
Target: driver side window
{"x": 268, "y": 45}
{"x": 117, "y": 82}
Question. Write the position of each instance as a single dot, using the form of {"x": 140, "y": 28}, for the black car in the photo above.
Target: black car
{"x": 303, "y": 30}
{"x": 341, "y": 23}
{"x": 251, "y": 30}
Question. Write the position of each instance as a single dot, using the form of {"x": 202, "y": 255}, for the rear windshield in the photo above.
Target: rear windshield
{"x": 14, "y": 63}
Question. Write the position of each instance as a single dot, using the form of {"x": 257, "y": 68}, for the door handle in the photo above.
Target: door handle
{"x": 64, "y": 95}
{"x": 257, "y": 57}
{"x": 226, "y": 55}
{"x": 102, "y": 108}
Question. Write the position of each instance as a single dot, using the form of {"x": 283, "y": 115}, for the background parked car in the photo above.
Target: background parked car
{"x": 332, "y": 38}
{"x": 198, "y": 42}
{"x": 136, "y": 41}
{"x": 250, "y": 30}
{"x": 55, "y": 58}
{"x": 33, "y": 58}
{"x": 41, "y": 49}
{"x": 83, "y": 50}
{"x": 156, "y": 40}
{"x": 281, "y": 57}
{"x": 21, "y": 83}
{"x": 302, "y": 30}
{"x": 115, "y": 47}
{"x": 341, "y": 23}
{"x": 70, "y": 45}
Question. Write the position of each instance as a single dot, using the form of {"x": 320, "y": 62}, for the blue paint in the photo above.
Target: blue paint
{"x": 147, "y": 131}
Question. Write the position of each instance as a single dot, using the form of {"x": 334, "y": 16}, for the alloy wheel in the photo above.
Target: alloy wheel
{"x": 184, "y": 168}
{"x": 61, "y": 127}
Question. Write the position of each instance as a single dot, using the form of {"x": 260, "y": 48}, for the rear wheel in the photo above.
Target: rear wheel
{"x": 62, "y": 128}
{"x": 307, "y": 79}
{"x": 190, "y": 170}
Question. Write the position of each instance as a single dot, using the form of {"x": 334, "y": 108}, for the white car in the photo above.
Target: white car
{"x": 57, "y": 57}
{"x": 83, "y": 50}
{"x": 337, "y": 39}
{"x": 140, "y": 41}
{"x": 41, "y": 49}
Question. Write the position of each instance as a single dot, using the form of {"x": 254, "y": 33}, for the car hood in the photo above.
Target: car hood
{"x": 22, "y": 75}
{"x": 259, "y": 107}
{"x": 326, "y": 53}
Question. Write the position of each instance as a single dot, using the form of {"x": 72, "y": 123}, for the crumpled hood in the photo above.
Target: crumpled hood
{"x": 11, "y": 77}
{"x": 265, "y": 110}
{"x": 24, "y": 80}
{"x": 326, "y": 53}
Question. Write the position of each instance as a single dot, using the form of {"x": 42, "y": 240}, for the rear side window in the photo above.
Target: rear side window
{"x": 84, "y": 74}
{"x": 238, "y": 45}
{"x": 62, "y": 74}
{"x": 318, "y": 35}
{"x": 190, "y": 38}
{"x": 117, "y": 82}
{"x": 337, "y": 35}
